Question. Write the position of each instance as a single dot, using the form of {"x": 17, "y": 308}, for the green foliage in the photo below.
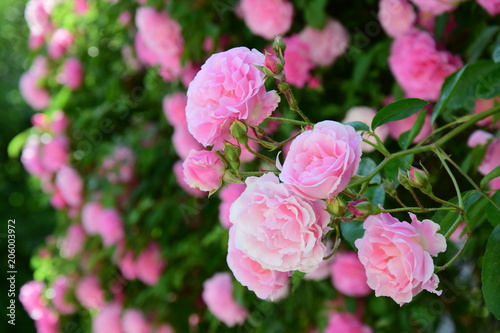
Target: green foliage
{"x": 398, "y": 110}
{"x": 490, "y": 273}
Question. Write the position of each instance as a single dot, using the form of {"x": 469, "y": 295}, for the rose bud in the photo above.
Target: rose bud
{"x": 403, "y": 179}
{"x": 239, "y": 131}
{"x": 361, "y": 209}
{"x": 389, "y": 188}
{"x": 419, "y": 179}
{"x": 336, "y": 206}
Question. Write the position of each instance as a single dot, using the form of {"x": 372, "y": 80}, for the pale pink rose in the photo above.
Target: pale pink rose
{"x": 490, "y": 161}
{"x": 365, "y": 115}
{"x": 59, "y": 122}
{"x": 419, "y": 67}
{"x": 174, "y": 108}
{"x": 346, "y": 323}
{"x": 127, "y": 266}
{"x": 484, "y": 105}
{"x": 266, "y": 283}
{"x": 278, "y": 229}
{"x": 40, "y": 67}
{"x": 48, "y": 322}
{"x": 30, "y": 296}
{"x": 70, "y": 185}
{"x": 297, "y": 63}
{"x": 37, "y": 15}
{"x": 396, "y": 128}
{"x": 145, "y": 55}
{"x": 40, "y": 120}
{"x": 110, "y": 227}
{"x": 162, "y": 36}
{"x": 398, "y": 256}
{"x": 397, "y": 17}
{"x": 184, "y": 142}
{"x": 436, "y": 7}
{"x": 218, "y": 296}
{"x": 89, "y": 292}
{"x": 81, "y": 6}
{"x": 59, "y": 43}
{"x": 133, "y": 321}
{"x": 72, "y": 74}
{"x": 57, "y": 201}
{"x": 31, "y": 156}
{"x": 327, "y": 44}
{"x": 204, "y": 169}
{"x": 491, "y": 6}
{"x": 227, "y": 196}
{"x": 36, "y": 97}
{"x": 90, "y": 217}
{"x": 322, "y": 161}
{"x": 164, "y": 328}
{"x": 149, "y": 264}
{"x": 267, "y": 18}
{"x": 108, "y": 320}
{"x": 61, "y": 287}
{"x": 228, "y": 87}
{"x": 179, "y": 175}
{"x": 54, "y": 154}
{"x": 74, "y": 241}
{"x": 348, "y": 275}
{"x": 479, "y": 138}
{"x": 35, "y": 41}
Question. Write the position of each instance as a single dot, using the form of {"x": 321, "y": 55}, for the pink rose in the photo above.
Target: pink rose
{"x": 59, "y": 122}
{"x": 37, "y": 15}
{"x": 108, "y": 320}
{"x": 70, "y": 185}
{"x": 348, "y": 275}
{"x": 133, "y": 321}
{"x": 419, "y": 67}
{"x": 346, "y": 323}
{"x": 297, "y": 62}
{"x": 397, "y": 17}
{"x": 89, "y": 292}
{"x": 174, "y": 108}
{"x": 184, "y": 142}
{"x": 164, "y": 328}
{"x": 228, "y": 87}
{"x": 322, "y": 161}
{"x": 266, "y": 283}
{"x": 276, "y": 228}
{"x": 218, "y": 295}
{"x": 365, "y": 115}
{"x": 30, "y": 296}
{"x": 74, "y": 241}
{"x": 31, "y": 158}
{"x": 479, "y": 138}
{"x": 326, "y": 45}
{"x": 36, "y": 97}
{"x": 54, "y": 154}
{"x": 397, "y": 256}
{"x": 72, "y": 74}
{"x": 227, "y": 196}
{"x": 48, "y": 322}
{"x": 125, "y": 18}
{"x": 436, "y": 7}
{"x": 490, "y": 161}
{"x": 267, "y": 18}
{"x": 59, "y": 43}
{"x": 491, "y": 6}
{"x": 81, "y": 6}
{"x": 484, "y": 105}
{"x": 90, "y": 215}
{"x": 204, "y": 170}
{"x": 110, "y": 227}
{"x": 149, "y": 264}
{"x": 119, "y": 167}
{"x": 61, "y": 287}
{"x": 127, "y": 266}
{"x": 145, "y": 55}
{"x": 396, "y": 128}
{"x": 179, "y": 175}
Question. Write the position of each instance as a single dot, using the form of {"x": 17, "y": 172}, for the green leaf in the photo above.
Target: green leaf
{"x": 297, "y": 278}
{"x": 491, "y": 272}
{"x": 398, "y": 110}
{"x": 315, "y": 13}
{"x": 449, "y": 86}
{"x": 358, "y": 126}
{"x": 496, "y": 51}
{"x": 492, "y": 213}
{"x": 492, "y": 175}
{"x": 352, "y": 231}
{"x": 366, "y": 167}
{"x": 376, "y": 195}
{"x": 17, "y": 143}
{"x": 477, "y": 47}
{"x": 407, "y": 137}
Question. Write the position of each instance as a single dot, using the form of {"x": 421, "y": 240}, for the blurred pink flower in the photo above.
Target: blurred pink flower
{"x": 349, "y": 276}
{"x": 491, "y": 6}
{"x": 61, "y": 287}
{"x": 89, "y": 292}
{"x": 396, "y": 128}
{"x": 90, "y": 216}
{"x": 36, "y": 97}
{"x": 30, "y": 295}
{"x": 365, "y": 115}
{"x": 267, "y": 18}
{"x": 72, "y": 244}
{"x": 70, "y": 185}
{"x": 227, "y": 196}
{"x": 297, "y": 62}
{"x": 59, "y": 43}
{"x": 346, "y": 323}
{"x": 72, "y": 74}
{"x": 174, "y": 108}
{"x": 397, "y": 17}
{"x": 436, "y": 7}
{"x": 484, "y": 105}
{"x": 108, "y": 320}
{"x": 149, "y": 264}
{"x": 110, "y": 226}
{"x": 479, "y": 138}
{"x": 133, "y": 321}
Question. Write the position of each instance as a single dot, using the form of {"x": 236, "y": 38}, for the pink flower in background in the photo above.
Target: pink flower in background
{"x": 184, "y": 142}
{"x": 133, "y": 321}
{"x": 436, "y": 7}
{"x": 266, "y": 283}
{"x": 89, "y": 292}
{"x": 74, "y": 241}
{"x": 30, "y": 296}
{"x": 267, "y": 18}
{"x": 174, "y": 108}
{"x": 189, "y": 73}
{"x": 90, "y": 216}
{"x": 36, "y": 97}
{"x": 346, "y": 323}
{"x": 324, "y": 268}
{"x": 37, "y": 15}
{"x": 227, "y": 196}
{"x": 484, "y": 105}
{"x": 348, "y": 275}
{"x": 228, "y": 87}
{"x": 397, "y": 17}
{"x": 57, "y": 201}
{"x": 48, "y": 322}
{"x": 179, "y": 175}
{"x": 164, "y": 328}
{"x": 81, "y": 6}
{"x": 127, "y": 266}
{"x": 54, "y": 154}
{"x": 322, "y": 161}
{"x": 490, "y": 161}
{"x": 491, "y": 6}
{"x": 145, "y": 55}
{"x": 458, "y": 236}
{"x": 398, "y": 256}
{"x": 108, "y": 320}
{"x": 72, "y": 74}
{"x": 70, "y": 185}
{"x": 479, "y": 138}
{"x": 40, "y": 67}
{"x": 276, "y": 228}
{"x": 204, "y": 170}
{"x": 365, "y": 115}
{"x": 110, "y": 227}
{"x": 419, "y": 67}
{"x": 119, "y": 166}
{"x": 59, "y": 43}
{"x": 149, "y": 264}
{"x": 327, "y": 44}
{"x": 218, "y": 296}
{"x": 125, "y": 18}
{"x": 31, "y": 158}
{"x": 297, "y": 62}
{"x": 161, "y": 35}
{"x": 396, "y": 128}
{"x": 61, "y": 287}
{"x": 59, "y": 122}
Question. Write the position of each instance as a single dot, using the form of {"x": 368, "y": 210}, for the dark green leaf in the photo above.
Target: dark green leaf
{"x": 366, "y": 167}
{"x": 315, "y": 13}
{"x": 493, "y": 213}
{"x": 391, "y": 169}
{"x": 358, "y": 126}
{"x": 496, "y": 51}
{"x": 447, "y": 91}
{"x": 398, "y": 110}
{"x": 477, "y": 47}
{"x": 492, "y": 175}
{"x": 352, "y": 231}
{"x": 491, "y": 272}
{"x": 297, "y": 278}
{"x": 376, "y": 195}
{"x": 407, "y": 137}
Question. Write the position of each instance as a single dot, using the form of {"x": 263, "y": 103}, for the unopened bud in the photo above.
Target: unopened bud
{"x": 389, "y": 187}
{"x": 272, "y": 66}
{"x": 232, "y": 154}
{"x": 361, "y": 209}
{"x": 279, "y": 45}
{"x": 283, "y": 87}
{"x": 419, "y": 179}
{"x": 403, "y": 179}
{"x": 239, "y": 131}
{"x": 336, "y": 206}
